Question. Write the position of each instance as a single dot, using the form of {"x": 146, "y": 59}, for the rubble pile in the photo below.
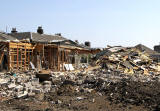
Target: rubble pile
{"x": 136, "y": 89}
{"x": 27, "y": 84}
{"x": 17, "y": 85}
{"x": 135, "y": 93}
{"x": 128, "y": 60}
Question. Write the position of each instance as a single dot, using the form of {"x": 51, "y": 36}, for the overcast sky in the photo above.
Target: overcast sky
{"x": 102, "y": 22}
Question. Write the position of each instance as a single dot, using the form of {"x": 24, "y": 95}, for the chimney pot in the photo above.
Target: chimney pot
{"x": 14, "y": 30}
{"x": 40, "y": 30}
{"x": 58, "y": 34}
{"x": 87, "y": 43}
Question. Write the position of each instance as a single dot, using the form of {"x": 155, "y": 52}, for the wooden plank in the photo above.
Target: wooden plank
{"x": 58, "y": 59}
{"x": 62, "y": 60}
{"x": 72, "y": 47}
{"x": 17, "y": 57}
{"x": 21, "y": 58}
{"x": 21, "y": 45}
{"x": 9, "y": 58}
{"x": 54, "y": 58}
{"x": 28, "y": 58}
{"x": 50, "y": 58}
{"x": 1, "y": 57}
{"x": 25, "y": 58}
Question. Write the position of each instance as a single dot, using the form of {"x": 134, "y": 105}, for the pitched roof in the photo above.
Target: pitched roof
{"x": 35, "y": 37}
{"x": 4, "y": 37}
{"x": 145, "y": 48}
{"x": 45, "y": 38}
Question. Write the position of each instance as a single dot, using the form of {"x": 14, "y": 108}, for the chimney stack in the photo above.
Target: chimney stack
{"x": 76, "y": 41}
{"x": 58, "y": 34}
{"x": 87, "y": 43}
{"x": 14, "y": 30}
{"x": 40, "y": 30}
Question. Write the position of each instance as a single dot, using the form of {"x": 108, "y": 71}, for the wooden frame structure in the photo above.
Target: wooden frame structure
{"x": 20, "y": 55}
{"x": 43, "y": 56}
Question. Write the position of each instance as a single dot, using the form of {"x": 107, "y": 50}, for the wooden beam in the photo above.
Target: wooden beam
{"x": 21, "y": 58}
{"x": 17, "y": 57}
{"x": 58, "y": 59}
{"x": 25, "y": 54}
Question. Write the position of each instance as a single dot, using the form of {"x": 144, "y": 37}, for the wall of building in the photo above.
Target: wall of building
{"x": 157, "y": 48}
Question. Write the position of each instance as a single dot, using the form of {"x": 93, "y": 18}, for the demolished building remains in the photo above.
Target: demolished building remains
{"x": 28, "y": 50}
{"x": 40, "y": 70}
{"x": 129, "y": 60}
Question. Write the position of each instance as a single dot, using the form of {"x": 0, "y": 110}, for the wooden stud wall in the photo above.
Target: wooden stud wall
{"x": 20, "y": 55}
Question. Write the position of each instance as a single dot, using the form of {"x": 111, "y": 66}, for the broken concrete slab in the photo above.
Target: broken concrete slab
{"x": 22, "y": 94}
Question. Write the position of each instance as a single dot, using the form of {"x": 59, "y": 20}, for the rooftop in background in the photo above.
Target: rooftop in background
{"x": 146, "y": 49}
{"x": 4, "y": 37}
{"x": 36, "y": 37}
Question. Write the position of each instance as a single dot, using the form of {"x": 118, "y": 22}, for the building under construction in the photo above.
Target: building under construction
{"x": 28, "y": 50}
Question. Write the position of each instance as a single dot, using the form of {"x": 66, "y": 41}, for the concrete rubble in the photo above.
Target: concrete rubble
{"x": 26, "y": 85}
{"x": 22, "y": 84}
{"x": 19, "y": 85}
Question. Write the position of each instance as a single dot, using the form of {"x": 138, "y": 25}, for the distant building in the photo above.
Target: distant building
{"x": 153, "y": 53}
{"x": 157, "y": 48}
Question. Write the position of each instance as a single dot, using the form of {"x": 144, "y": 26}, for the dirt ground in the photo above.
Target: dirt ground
{"x": 69, "y": 103}
{"x": 123, "y": 96}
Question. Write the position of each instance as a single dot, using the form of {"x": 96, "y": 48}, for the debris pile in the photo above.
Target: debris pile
{"x": 128, "y": 76}
{"x": 17, "y": 85}
{"x": 79, "y": 86}
{"x": 134, "y": 89}
{"x": 128, "y": 60}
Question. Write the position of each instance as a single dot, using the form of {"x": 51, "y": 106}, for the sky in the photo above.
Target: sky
{"x": 102, "y": 22}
